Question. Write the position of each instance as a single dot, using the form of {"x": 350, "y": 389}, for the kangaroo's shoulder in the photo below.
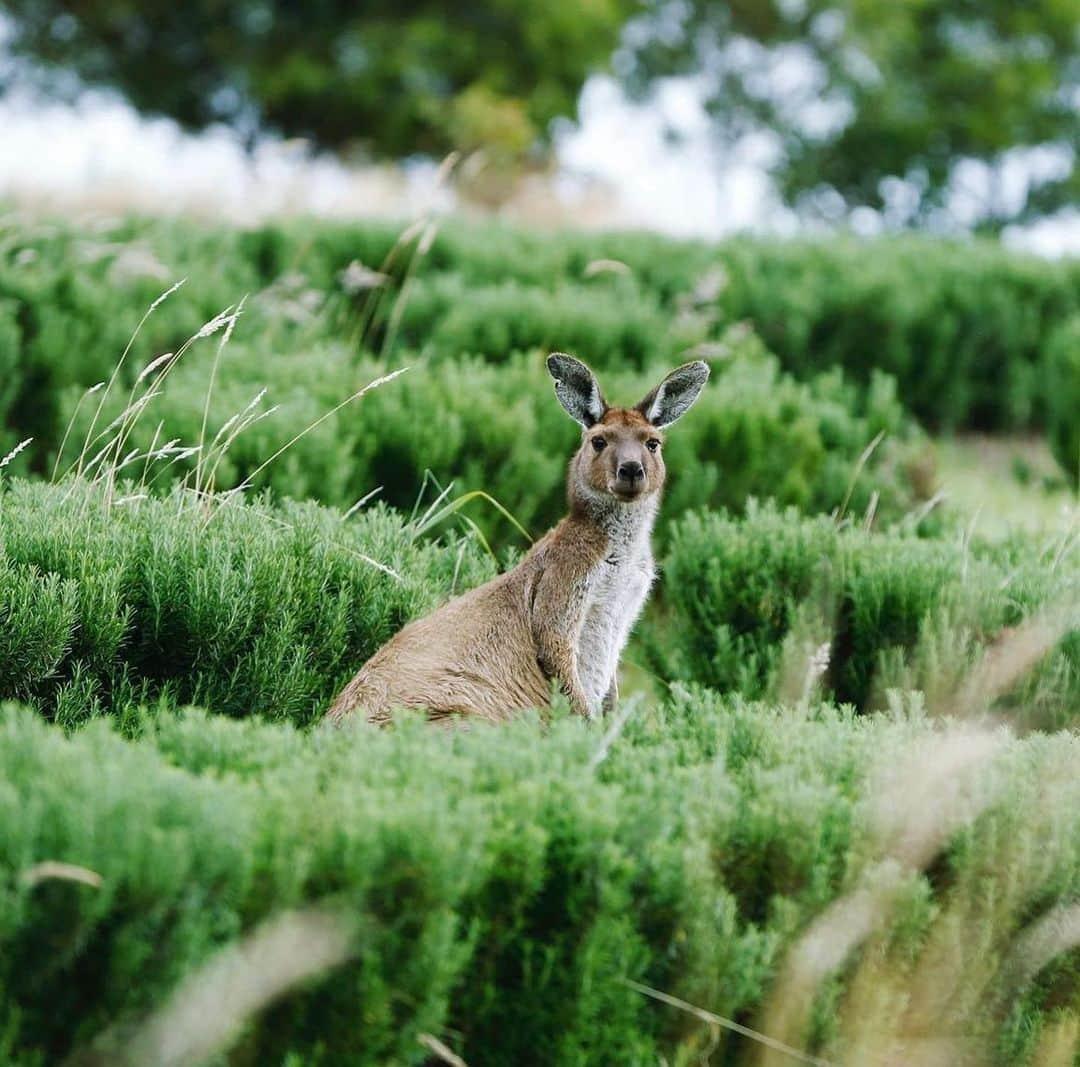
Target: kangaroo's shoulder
{"x": 574, "y": 546}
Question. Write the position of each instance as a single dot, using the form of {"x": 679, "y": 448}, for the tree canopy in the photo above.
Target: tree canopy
{"x": 907, "y": 107}
{"x": 917, "y": 109}
{"x": 395, "y": 76}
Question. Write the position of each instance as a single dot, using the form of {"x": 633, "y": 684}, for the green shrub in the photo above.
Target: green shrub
{"x": 481, "y": 252}
{"x": 247, "y": 609}
{"x": 500, "y": 886}
{"x": 9, "y": 379}
{"x": 1063, "y": 397}
{"x": 739, "y": 594}
{"x": 500, "y": 882}
{"x": 612, "y": 328}
{"x": 962, "y": 326}
{"x": 80, "y": 296}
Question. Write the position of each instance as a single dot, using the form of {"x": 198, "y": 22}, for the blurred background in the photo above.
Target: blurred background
{"x": 691, "y": 117}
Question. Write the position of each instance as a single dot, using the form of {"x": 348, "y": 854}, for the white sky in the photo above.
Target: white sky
{"x": 681, "y": 187}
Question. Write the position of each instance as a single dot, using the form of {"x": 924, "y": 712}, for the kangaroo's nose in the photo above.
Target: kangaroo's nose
{"x": 631, "y": 471}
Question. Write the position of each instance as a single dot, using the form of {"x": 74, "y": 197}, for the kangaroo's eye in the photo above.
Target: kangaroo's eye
{"x": 599, "y": 444}
{"x": 652, "y": 444}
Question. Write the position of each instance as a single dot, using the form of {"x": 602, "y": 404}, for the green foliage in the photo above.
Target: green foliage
{"x": 397, "y": 79}
{"x": 745, "y": 600}
{"x": 9, "y": 378}
{"x": 885, "y": 92}
{"x": 500, "y": 886}
{"x": 617, "y": 327}
{"x": 1063, "y": 397}
{"x": 72, "y": 300}
{"x": 963, "y": 327}
{"x": 501, "y": 882}
{"x": 239, "y": 607}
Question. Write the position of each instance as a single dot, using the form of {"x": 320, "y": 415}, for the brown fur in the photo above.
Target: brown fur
{"x": 498, "y": 648}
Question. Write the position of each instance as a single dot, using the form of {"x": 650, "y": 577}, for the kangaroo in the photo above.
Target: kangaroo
{"x": 564, "y": 613}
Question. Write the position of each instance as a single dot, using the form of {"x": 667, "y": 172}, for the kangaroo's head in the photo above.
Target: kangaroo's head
{"x": 621, "y": 455}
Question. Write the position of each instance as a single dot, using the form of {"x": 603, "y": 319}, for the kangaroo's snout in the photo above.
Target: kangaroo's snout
{"x": 629, "y": 479}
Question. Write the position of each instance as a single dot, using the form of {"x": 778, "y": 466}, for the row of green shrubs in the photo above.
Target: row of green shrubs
{"x": 256, "y": 610}
{"x": 975, "y": 335}
{"x": 501, "y": 886}
{"x": 500, "y": 883}
{"x": 500, "y": 429}
{"x": 246, "y": 609}
{"x": 970, "y": 332}
{"x": 745, "y": 600}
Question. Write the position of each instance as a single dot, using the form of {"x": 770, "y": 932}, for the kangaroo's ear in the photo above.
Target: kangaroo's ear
{"x": 576, "y": 389}
{"x": 674, "y": 395}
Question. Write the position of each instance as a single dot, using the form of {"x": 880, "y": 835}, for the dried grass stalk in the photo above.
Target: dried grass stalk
{"x": 211, "y": 1005}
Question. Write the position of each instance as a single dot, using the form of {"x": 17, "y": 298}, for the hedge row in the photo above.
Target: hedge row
{"x": 499, "y": 887}
{"x": 258, "y": 610}
{"x": 964, "y": 327}
{"x": 966, "y": 330}
{"x": 745, "y": 599}
{"x": 244, "y": 608}
{"x": 500, "y": 429}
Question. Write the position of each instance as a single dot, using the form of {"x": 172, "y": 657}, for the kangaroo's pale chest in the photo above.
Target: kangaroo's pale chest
{"x": 616, "y": 592}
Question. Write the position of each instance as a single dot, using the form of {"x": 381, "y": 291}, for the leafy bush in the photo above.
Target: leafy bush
{"x": 75, "y": 298}
{"x": 9, "y": 379}
{"x": 498, "y": 884}
{"x": 741, "y": 596}
{"x": 1063, "y": 397}
{"x": 500, "y": 887}
{"x": 616, "y": 327}
{"x": 962, "y": 326}
{"x": 244, "y": 608}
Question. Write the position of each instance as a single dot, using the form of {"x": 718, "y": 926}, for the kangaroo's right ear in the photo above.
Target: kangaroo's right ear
{"x": 577, "y": 389}
{"x": 674, "y": 395}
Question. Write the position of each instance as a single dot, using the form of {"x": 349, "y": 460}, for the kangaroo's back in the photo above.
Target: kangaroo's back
{"x": 565, "y": 611}
{"x": 473, "y": 656}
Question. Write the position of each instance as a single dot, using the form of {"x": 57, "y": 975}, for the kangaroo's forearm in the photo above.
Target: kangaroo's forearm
{"x": 557, "y": 610}
{"x": 557, "y": 660}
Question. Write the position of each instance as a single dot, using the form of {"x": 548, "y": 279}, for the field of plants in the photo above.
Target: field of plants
{"x": 834, "y": 819}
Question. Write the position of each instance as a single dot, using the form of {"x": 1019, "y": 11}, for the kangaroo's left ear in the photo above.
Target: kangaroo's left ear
{"x": 576, "y": 388}
{"x": 674, "y": 395}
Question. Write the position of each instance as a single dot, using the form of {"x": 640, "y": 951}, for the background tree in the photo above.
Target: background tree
{"x": 955, "y": 112}
{"x": 393, "y": 76}
{"x": 915, "y": 108}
